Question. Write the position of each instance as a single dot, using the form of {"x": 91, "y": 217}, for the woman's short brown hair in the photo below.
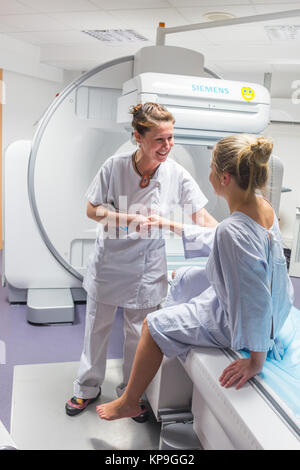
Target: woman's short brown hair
{"x": 148, "y": 115}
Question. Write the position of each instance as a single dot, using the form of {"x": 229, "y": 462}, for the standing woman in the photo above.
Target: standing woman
{"x": 243, "y": 297}
{"x": 129, "y": 269}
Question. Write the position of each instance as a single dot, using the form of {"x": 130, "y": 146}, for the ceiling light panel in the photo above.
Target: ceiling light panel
{"x": 283, "y": 32}
{"x": 116, "y": 36}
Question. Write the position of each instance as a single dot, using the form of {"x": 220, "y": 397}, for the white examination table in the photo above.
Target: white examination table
{"x": 251, "y": 418}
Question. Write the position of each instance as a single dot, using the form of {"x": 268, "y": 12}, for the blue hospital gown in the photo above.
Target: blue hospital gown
{"x": 240, "y": 300}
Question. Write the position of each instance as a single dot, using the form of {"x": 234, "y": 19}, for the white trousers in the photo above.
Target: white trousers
{"x": 99, "y": 321}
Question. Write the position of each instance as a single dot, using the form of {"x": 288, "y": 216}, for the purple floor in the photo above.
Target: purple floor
{"x": 29, "y": 344}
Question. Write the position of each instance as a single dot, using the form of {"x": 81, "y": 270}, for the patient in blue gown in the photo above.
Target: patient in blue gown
{"x": 243, "y": 296}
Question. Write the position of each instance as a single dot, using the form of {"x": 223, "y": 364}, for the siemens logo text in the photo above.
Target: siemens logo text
{"x": 210, "y": 89}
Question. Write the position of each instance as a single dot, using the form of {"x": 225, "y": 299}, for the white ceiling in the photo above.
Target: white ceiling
{"x": 55, "y": 26}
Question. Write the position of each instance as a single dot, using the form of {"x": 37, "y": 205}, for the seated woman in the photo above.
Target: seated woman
{"x": 243, "y": 296}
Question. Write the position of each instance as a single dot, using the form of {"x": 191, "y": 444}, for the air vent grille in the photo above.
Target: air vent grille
{"x": 115, "y": 35}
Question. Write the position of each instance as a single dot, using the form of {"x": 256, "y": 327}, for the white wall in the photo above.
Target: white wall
{"x": 26, "y": 100}
{"x": 21, "y": 57}
{"x": 286, "y": 139}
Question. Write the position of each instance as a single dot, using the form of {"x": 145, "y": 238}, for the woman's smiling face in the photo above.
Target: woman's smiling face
{"x": 157, "y": 142}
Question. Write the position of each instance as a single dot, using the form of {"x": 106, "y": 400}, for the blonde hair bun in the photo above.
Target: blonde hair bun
{"x": 244, "y": 156}
{"x": 262, "y": 149}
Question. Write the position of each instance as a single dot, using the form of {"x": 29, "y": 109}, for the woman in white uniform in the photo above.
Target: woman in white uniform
{"x": 243, "y": 297}
{"x": 128, "y": 268}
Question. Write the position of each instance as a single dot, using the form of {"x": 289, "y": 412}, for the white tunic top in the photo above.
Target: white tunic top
{"x": 127, "y": 269}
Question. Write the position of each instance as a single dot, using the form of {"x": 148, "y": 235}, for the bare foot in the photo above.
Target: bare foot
{"x": 118, "y": 409}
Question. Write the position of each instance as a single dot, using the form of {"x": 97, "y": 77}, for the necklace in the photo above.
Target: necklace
{"x": 145, "y": 176}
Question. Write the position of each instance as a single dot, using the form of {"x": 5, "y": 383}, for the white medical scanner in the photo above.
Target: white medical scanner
{"x": 48, "y": 238}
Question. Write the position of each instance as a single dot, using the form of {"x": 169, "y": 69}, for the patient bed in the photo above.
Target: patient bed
{"x": 253, "y": 417}
{"x": 263, "y": 414}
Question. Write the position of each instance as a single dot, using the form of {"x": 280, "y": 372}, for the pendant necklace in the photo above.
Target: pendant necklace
{"x": 145, "y": 176}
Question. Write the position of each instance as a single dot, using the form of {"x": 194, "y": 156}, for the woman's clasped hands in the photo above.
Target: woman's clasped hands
{"x": 144, "y": 224}
{"x": 156, "y": 221}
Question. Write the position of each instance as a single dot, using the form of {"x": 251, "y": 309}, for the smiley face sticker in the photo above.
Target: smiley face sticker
{"x": 247, "y": 93}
